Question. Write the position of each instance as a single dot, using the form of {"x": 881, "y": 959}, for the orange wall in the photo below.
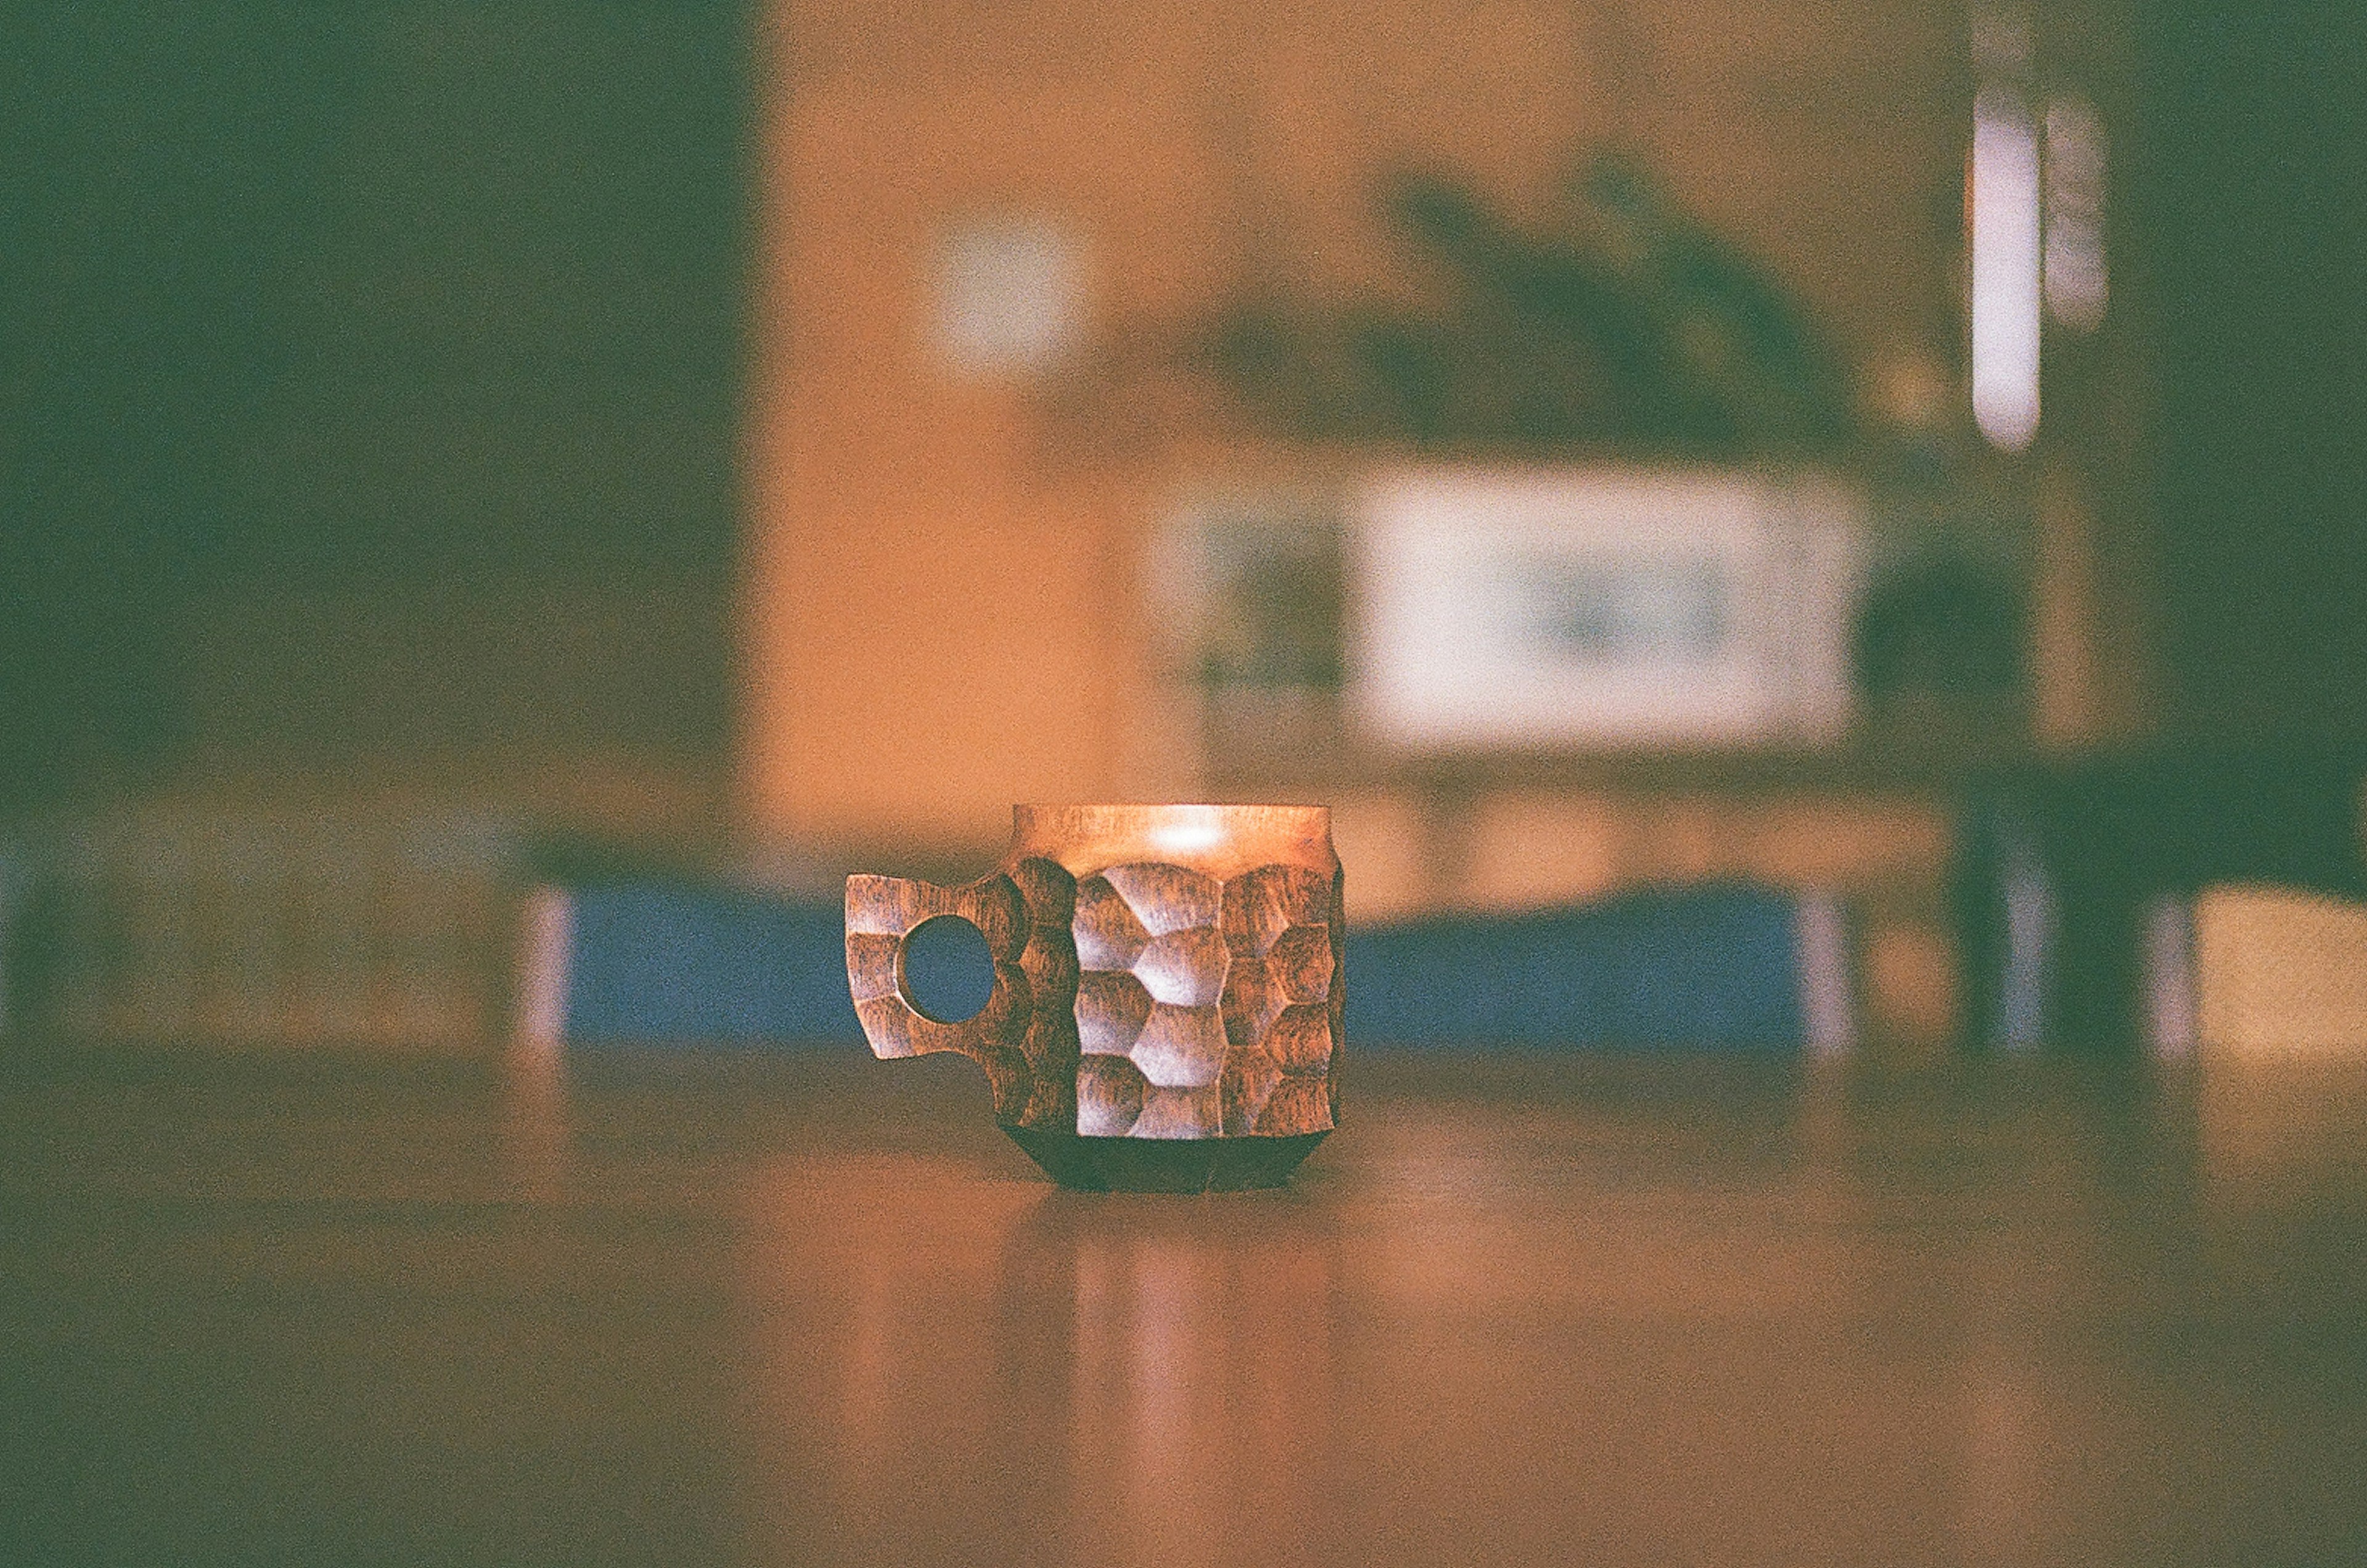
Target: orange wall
{"x": 942, "y": 611}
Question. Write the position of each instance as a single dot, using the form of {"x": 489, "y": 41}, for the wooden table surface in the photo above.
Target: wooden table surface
{"x": 815, "y": 1310}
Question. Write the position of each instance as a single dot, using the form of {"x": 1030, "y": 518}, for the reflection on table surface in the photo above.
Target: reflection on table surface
{"x": 1517, "y": 1310}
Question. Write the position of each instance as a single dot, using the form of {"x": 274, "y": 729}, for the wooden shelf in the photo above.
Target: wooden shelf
{"x": 1259, "y": 744}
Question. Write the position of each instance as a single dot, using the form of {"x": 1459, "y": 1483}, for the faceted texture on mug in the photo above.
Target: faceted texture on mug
{"x": 1166, "y": 898}
{"x": 1248, "y": 1083}
{"x": 1297, "y": 1105}
{"x": 1183, "y": 968}
{"x": 1300, "y": 962}
{"x": 1263, "y": 904}
{"x": 1143, "y": 1000}
{"x": 1050, "y": 962}
{"x": 882, "y": 912}
{"x": 1301, "y": 1040}
{"x": 1109, "y": 934}
{"x": 1181, "y": 1048}
{"x": 1253, "y": 1002}
{"x": 1047, "y": 896}
{"x": 1050, "y": 891}
{"x": 1180, "y": 1113}
{"x": 1279, "y": 1001}
{"x": 1110, "y": 1092}
{"x": 1111, "y": 1010}
{"x": 1217, "y": 995}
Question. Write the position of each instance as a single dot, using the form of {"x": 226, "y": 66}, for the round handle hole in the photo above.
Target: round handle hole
{"x": 946, "y": 972}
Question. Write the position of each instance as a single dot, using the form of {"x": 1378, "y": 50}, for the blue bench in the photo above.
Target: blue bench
{"x": 648, "y": 962}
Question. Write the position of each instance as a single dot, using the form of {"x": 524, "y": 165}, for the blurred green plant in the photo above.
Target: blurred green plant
{"x": 1631, "y": 328}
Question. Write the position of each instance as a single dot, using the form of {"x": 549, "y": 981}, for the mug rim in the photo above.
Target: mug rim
{"x": 1230, "y": 815}
{"x": 1207, "y": 836}
{"x": 1226, "y": 805}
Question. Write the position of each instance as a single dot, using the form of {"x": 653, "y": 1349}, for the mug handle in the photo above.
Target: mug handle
{"x": 881, "y": 912}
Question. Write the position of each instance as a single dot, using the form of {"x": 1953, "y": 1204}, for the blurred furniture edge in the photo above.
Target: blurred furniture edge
{"x": 369, "y": 924}
{"x": 2266, "y": 972}
{"x": 2076, "y": 887}
{"x": 634, "y": 963}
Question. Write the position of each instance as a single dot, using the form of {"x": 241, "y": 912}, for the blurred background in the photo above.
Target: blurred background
{"x": 482, "y": 481}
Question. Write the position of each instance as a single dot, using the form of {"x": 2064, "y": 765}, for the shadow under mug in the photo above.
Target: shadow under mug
{"x": 1167, "y": 998}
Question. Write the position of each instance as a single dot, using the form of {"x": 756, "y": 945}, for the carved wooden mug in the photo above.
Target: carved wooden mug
{"x": 1166, "y": 1006}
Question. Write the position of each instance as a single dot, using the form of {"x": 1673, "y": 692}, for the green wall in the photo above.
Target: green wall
{"x": 357, "y": 362}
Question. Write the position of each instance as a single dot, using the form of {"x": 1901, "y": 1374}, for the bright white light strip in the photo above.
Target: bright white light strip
{"x": 2005, "y": 283}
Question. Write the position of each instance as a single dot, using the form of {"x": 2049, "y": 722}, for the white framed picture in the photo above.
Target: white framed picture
{"x": 1601, "y": 608}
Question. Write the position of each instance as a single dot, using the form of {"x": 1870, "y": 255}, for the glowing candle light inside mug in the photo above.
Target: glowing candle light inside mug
{"x": 1187, "y": 835}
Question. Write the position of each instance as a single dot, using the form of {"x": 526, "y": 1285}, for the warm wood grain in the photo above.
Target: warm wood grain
{"x": 881, "y": 912}
{"x": 811, "y": 1311}
{"x": 1162, "y": 971}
